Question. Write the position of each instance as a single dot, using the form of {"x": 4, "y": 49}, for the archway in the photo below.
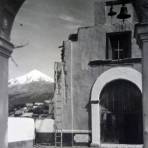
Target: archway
{"x": 122, "y": 73}
{"x": 121, "y": 113}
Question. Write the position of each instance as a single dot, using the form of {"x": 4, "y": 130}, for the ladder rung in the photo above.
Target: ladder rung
{"x": 59, "y": 136}
{"x": 59, "y": 140}
{"x": 58, "y": 132}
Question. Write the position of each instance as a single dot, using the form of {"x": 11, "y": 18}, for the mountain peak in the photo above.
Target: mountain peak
{"x": 32, "y": 76}
{"x": 35, "y": 71}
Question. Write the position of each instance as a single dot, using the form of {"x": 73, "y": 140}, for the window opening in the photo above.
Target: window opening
{"x": 118, "y": 45}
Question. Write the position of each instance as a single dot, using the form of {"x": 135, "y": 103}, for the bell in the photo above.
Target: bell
{"x": 123, "y": 13}
{"x": 111, "y": 12}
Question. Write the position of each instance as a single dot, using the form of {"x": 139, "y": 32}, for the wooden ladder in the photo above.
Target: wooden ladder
{"x": 58, "y": 123}
{"x": 58, "y": 138}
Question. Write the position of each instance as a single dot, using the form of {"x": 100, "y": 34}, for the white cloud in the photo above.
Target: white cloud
{"x": 70, "y": 19}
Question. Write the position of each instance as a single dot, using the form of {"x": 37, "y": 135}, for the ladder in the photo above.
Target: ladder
{"x": 58, "y": 138}
{"x": 58, "y": 124}
{"x": 59, "y": 100}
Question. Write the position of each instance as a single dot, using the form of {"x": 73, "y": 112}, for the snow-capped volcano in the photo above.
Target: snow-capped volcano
{"x": 32, "y": 76}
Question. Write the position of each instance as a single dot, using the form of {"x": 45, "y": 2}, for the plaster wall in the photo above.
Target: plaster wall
{"x": 67, "y": 111}
{"x": 80, "y": 77}
{"x": 20, "y": 129}
{"x": 21, "y": 132}
{"x": 90, "y": 46}
{"x": 3, "y": 101}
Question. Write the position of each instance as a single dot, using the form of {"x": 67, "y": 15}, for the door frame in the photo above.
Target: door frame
{"x": 125, "y": 73}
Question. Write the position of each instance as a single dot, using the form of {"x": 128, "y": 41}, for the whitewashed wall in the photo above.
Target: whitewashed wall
{"x": 44, "y": 126}
{"x": 20, "y": 129}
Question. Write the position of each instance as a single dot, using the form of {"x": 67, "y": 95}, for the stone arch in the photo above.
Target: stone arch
{"x": 125, "y": 73}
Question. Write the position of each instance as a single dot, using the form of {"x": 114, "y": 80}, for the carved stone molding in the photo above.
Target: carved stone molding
{"x": 141, "y": 34}
{"x": 5, "y": 48}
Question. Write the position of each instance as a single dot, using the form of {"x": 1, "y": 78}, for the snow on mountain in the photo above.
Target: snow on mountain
{"x": 32, "y": 76}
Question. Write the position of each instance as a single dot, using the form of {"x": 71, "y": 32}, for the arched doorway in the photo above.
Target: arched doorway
{"x": 121, "y": 113}
{"x": 118, "y": 73}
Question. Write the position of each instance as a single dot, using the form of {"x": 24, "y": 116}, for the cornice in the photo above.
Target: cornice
{"x": 141, "y": 34}
{"x": 6, "y": 47}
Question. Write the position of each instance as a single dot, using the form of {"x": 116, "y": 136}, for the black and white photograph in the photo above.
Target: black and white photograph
{"x": 73, "y": 74}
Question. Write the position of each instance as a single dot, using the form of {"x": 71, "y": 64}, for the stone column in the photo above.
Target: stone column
{"x": 141, "y": 34}
{"x": 5, "y": 51}
{"x": 8, "y": 11}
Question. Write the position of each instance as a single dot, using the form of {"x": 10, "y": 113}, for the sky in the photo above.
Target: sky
{"x": 42, "y": 25}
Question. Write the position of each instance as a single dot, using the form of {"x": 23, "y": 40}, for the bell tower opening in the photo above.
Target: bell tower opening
{"x": 118, "y": 45}
{"x": 121, "y": 113}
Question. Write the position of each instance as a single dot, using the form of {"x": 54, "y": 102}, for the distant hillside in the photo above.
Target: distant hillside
{"x": 35, "y": 89}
